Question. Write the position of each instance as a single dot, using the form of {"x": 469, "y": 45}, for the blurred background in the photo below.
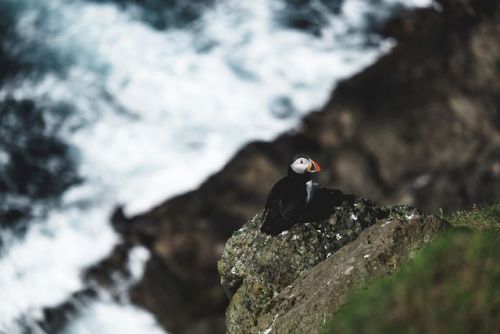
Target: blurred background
{"x": 114, "y": 114}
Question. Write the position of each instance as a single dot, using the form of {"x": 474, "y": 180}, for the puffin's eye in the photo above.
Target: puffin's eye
{"x": 301, "y": 161}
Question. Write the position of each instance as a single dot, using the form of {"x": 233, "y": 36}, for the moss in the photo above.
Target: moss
{"x": 479, "y": 218}
{"x": 452, "y": 286}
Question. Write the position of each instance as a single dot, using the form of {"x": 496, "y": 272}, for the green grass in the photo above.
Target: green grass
{"x": 451, "y": 286}
{"x": 479, "y": 218}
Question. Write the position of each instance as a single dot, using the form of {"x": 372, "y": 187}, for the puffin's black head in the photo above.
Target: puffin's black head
{"x": 303, "y": 165}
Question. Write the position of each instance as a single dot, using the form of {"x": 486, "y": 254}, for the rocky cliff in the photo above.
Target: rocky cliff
{"x": 293, "y": 282}
{"x": 421, "y": 126}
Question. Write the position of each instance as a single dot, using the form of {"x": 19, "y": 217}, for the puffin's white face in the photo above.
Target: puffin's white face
{"x": 301, "y": 165}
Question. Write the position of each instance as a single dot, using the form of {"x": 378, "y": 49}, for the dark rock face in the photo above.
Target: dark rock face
{"x": 54, "y": 319}
{"x": 422, "y": 124}
{"x": 420, "y": 127}
{"x": 256, "y": 268}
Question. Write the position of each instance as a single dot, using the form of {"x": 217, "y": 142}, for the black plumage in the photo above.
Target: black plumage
{"x": 296, "y": 198}
{"x": 286, "y": 204}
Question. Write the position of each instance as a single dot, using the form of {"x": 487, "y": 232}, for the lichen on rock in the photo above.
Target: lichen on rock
{"x": 255, "y": 267}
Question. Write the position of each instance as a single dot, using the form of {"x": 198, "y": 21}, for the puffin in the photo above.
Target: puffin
{"x": 296, "y": 198}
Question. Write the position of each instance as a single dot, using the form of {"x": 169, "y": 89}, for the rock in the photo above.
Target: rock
{"x": 249, "y": 250}
{"x": 255, "y": 268}
{"x": 420, "y": 106}
{"x": 108, "y": 272}
{"x": 181, "y": 306}
{"x": 54, "y": 319}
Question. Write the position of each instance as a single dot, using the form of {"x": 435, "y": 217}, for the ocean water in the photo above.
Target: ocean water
{"x": 150, "y": 113}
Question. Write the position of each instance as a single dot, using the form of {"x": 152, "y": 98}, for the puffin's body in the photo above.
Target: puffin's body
{"x": 296, "y": 198}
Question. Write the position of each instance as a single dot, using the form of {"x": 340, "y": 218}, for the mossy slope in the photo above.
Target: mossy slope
{"x": 451, "y": 286}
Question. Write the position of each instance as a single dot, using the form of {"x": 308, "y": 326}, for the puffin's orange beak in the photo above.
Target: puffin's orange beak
{"x": 313, "y": 166}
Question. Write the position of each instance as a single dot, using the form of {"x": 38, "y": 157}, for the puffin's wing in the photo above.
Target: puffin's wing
{"x": 324, "y": 202}
{"x": 281, "y": 213}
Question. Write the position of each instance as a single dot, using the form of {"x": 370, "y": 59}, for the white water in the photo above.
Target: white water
{"x": 106, "y": 316}
{"x": 157, "y": 118}
{"x": 109, "y": 317}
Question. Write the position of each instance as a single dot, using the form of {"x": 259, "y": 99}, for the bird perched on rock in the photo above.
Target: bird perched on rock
{"x": 296, "y": 198}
